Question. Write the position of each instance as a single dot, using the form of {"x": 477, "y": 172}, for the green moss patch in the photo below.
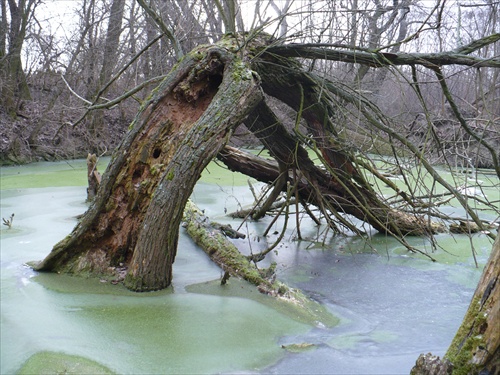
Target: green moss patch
{"x": 61, "y": 363}
{"x": 298, "y": 348}
{"x": 466, "y": 340}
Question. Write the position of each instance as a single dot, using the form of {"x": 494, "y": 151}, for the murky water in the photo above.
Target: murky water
{"x": 392, "y": 305}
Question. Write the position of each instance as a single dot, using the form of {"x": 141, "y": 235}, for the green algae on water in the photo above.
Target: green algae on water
{"x": 307, "y": 311}
{"x": 61, "y": 363}
{"x": 48, "y": 174}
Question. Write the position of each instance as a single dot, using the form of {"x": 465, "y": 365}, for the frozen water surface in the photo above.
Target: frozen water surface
{"x": 392, "y": 305}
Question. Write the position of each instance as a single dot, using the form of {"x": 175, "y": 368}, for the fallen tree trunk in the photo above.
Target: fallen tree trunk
{"x": 317, "y": 189}
{"x": 212, "y": 240}
{"x": 214, "y": 243}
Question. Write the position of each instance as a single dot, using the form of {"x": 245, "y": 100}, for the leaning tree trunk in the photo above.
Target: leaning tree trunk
{"x": 135, "y": 217}
{"x": 136, "y": 214}
{"x": 339, "y": 189}
{"x": 476, "y": 346}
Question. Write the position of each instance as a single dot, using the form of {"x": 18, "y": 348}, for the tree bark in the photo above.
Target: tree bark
{"x": 136, "y": 215}
{"x": 154, "y": 253}
{"x": 476, "y": 346}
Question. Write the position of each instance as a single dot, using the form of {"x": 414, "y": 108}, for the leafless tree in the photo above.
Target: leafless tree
{"x": 12, "y": 76}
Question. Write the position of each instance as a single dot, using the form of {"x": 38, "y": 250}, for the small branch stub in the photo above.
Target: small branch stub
{"x": 8, "y": 222}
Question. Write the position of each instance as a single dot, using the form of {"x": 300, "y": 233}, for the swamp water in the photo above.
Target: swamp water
{"x": 391, "y": 305}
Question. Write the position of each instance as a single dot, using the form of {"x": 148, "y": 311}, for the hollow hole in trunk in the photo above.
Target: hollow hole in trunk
{"x": 137, "y": 173}
{"x": 215, "y": 81}
{"x": 156, "y": 153}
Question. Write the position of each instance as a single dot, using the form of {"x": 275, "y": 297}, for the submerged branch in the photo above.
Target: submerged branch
{"x": 224, "y": 253}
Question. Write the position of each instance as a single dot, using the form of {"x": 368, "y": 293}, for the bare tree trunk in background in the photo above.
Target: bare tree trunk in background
{"x": 12, "y": 77}
{"x": 353, "y": 27}
{"x": 4, "y": 27}
{"x": 109, "y": 62}
{"x": 112, "y": 42}
{"x": 85, "y": 27}
{"x": 375, "y": 31}
{"x": 214, "y": 21}
{"x": 133, "y": 27}
{"x": 282, "y": 13}
{"x": 191, "y": 33}
{"x": 91, "y": 45}
{"x": 148, "y": 63}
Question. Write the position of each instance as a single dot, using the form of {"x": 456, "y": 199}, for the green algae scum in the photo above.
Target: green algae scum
{"x": 376, "y": 306}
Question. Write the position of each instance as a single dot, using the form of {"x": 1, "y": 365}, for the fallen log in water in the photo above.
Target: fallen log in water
{"x": 210, "y": 236}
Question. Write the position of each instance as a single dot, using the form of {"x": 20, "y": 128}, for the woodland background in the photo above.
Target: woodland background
{"x": 74, "y": 73}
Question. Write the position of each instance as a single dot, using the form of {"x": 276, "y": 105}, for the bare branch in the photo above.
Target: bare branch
{"x": 382, "y": 59}
{"x": 477, "y": 44}
{"x": 159, "y": 22}
{"x": 463, "y": 123}
{"x": 73, "y": 91}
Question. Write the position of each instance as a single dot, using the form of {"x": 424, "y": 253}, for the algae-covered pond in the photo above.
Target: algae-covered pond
{"x": 390, "y": 305}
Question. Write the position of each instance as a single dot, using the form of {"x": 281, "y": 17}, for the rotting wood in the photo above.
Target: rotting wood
{"x": 93, "y": 176}
{"x": 176, "y": 134}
